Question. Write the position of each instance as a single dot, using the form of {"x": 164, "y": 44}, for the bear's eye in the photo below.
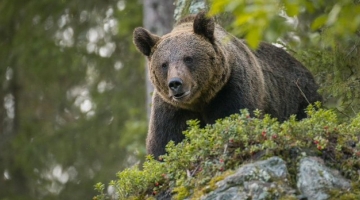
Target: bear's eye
{"x": 188, "y": 60}
{"x": 164, "y": 65}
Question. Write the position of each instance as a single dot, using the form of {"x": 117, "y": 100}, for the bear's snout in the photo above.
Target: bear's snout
{"x": 177, "y": 89}
{"x": 175, "y": 84}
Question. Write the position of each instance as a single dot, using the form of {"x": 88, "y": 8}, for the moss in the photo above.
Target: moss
{"x": 181, "y": 192}
{"x": 211, "y": 185}
{"x": 288, "y": 198}
{"x": 340, "y": 195}
{"x": 352, "y": 194}
{"x": 213, "y": 181}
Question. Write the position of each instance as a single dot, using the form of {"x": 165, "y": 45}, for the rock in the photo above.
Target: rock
{"x": 268, "y": 180}
{"x": 315, "y": 179}
{"x": 260, "y": 180}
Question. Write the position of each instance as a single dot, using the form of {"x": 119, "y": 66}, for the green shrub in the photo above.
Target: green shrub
{"x": 206, "y": 153}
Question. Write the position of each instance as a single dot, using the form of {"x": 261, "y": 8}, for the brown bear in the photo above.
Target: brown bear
{"x": 200, "y": 71}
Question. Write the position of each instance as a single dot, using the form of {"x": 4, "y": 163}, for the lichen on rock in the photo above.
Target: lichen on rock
{"x": 315, "y": 179}
{"x": 268, "y": 180}
{"x": 259, "y": 180}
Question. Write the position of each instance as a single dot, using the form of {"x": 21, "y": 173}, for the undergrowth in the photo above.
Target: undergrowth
{"x": 208, "y": 154}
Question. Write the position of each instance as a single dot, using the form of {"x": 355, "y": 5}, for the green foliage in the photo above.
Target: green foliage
{"x": 133, "y": 183}
{"x": 192, "y": 166}
{"x": 336, "y": 71}
{"x": 258, "y": 20}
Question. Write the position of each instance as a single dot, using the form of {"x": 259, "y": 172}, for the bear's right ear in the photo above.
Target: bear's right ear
{"x": 144, "y": 40}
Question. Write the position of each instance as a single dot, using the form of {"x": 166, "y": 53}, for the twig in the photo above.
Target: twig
{"x": 189, "y": 174}
{"x": 354, "y": 47}
{"x": 225, "y": 148}
{"x": 303, "y": 94}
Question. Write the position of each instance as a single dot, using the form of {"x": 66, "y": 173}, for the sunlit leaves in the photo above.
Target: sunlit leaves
{"x": 291, "y": 8}
{"x": 319, "y": 22}
{"x": 255, "y": 19}
{"x": 342, "y": 19}
{"x": 251, "y": 18}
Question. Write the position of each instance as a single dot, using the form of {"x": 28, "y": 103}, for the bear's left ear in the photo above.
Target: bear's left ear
{"x": 144, "y": 40}
{"x": 204, "y": 26}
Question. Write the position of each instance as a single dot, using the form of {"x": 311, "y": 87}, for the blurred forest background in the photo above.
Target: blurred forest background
{"x": 74, "y": 94}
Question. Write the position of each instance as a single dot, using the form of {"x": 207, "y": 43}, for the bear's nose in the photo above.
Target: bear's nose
{"x": 175, "y": 84}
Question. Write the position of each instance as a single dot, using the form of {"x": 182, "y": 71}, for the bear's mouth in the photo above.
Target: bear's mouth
{"x": 181, "y": 95}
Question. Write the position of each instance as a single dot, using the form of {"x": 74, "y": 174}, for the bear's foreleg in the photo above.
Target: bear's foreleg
{"x": 166, "y": 124}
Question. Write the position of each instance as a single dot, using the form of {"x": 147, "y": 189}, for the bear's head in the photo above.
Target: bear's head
{"x": 186, "y": 66}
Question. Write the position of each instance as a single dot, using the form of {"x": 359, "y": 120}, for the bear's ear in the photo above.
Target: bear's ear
{"x": 204, "y": 26}
{"x": 144, "y": 40}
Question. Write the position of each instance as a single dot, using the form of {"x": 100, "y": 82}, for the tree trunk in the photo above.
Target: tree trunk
{"x": 158, "y": 19}
{"x": 185, "y": 7}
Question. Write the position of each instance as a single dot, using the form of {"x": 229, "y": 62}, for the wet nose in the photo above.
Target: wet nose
{"x": 175, "y": 84}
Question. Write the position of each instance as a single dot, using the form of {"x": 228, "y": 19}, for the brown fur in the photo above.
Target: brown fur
{"x": 218, "y": 75}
